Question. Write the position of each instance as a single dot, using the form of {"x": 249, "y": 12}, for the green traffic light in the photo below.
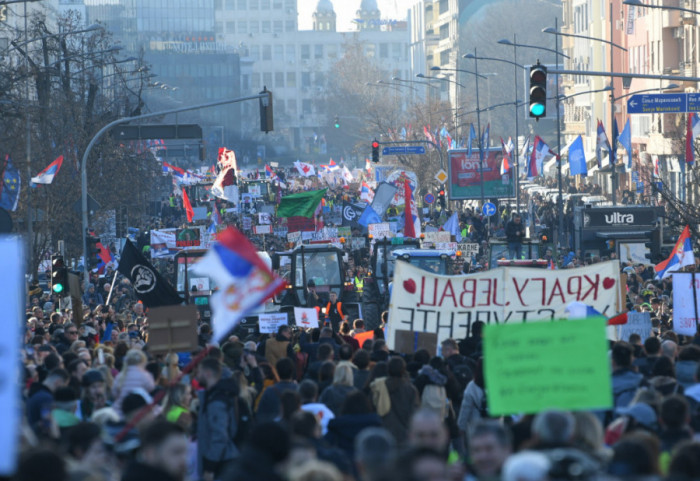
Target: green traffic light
{"x": 537, "y": 109}
{"x": 337, "y": 125}
{"x": 57, "y": 288}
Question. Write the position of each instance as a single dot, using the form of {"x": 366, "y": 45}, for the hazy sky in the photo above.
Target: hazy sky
{"x": 345, "y": 11}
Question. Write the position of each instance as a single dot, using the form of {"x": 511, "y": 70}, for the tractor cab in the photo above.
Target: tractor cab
{"x": 436, "y": 261}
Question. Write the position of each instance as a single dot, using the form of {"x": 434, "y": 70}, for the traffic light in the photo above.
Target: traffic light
{"x": 538, "y": 91}
{"x": 375, "y": 151}
{"x": 93, "y": 251}
{"x": 336, "y": 122}
{"x": 441, "y": 199}
{"x": 59, "y": 275}
{"x": 266, "y": 119}
{"x": 654, "y": 247}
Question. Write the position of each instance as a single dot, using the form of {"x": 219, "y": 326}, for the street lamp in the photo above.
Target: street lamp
{"x": 444, "y": 79}
{"x": 441, "y": 69}
{"x": 555, "y": 31}
{"x": 515, "y": 106}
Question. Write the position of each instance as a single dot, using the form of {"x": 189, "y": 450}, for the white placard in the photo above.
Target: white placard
{"x": 684, "y": 319}
{"x": 262, "y": 229}
{"x": 469, "y": 249}
{"x": 247, "y": 223}
{"x": 254, "y": 190}
{"x": 637, "y": 323}
{"x": 380, "y": 231}
{"x": 269, "y": 323}
{"x": 11, "y": 298}
{"x": 306, "y": 317}
{"x": 294, "y": 238}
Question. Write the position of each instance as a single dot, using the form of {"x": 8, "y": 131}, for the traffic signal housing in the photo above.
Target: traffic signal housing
{"x": 266, "y": 117}
{"x": 375, "y": 151}
{"x": 336, "y": 122}
{"x": 441, "y": 199}
{"x": 654, "y": 254}
{"x": 59, "y": 275}
{"x": 538, "y": 91}
{"x": 93, "y": 251}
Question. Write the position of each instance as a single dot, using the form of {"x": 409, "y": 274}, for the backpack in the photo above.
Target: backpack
{"x": 434, "y": 397}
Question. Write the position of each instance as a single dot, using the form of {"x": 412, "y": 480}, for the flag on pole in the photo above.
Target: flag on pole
{"x": 302, "y": 204}
{"x": 692, "y": 131}
{"x": 577, "y": 158}
{"x": 681, "y": 256}
{"x": 167, "y": 168}
{"x": 625, "y": 140}
{"x": 656, "y": 173}
{"x": 332, "y": 166}
{"x": 304, "y": 169}
{"x": 225, "y": 186}
{"x": 46, "y": 176}
{"x": 485, "y": 137}
{"x": 540, "y": 150}
{"x": 366, "y": 193}
{"x": 472, "y": 134}
{"x": 150, "y": 287}
{"x": 187, "y": 205}
{"x": 615, "y": 135}
{"x": 452, "y": 226}
{"x": 244, "y": 280}
{"x": 411, "y": 219}
{"x": 505, "y": 164}
{"x": 602, "y": 144}
{"x": 10, "y": 187}
{"x": 523, "y": 157}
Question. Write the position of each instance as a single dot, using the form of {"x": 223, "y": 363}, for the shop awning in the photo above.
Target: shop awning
{"x": 625, "y": 234}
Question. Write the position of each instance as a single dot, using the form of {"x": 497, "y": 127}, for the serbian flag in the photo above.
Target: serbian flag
{"x": 681, "y": 256}
{"x": 332, "y": 166}
{"x": 411, "y": 219}
{"x": 46, "y": 176}
{"x": 366, "y": 193}
{"x": 105, "y": 257}
{"x": 187, "y": 205}
{"x": 368, "y": 166}
{"x": 692, "y": 131}
{"x": 171, "y": 168}
{"x": 540, "y": 150}
{"x": 602, "y": 143}
{"x": 505, "y": 165}
{"x": 245, "y": 282}
{"x": 656, "y": 173}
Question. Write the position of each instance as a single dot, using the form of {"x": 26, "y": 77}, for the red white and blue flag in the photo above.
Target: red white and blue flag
{"x": 656, "y": 174}
{"x": 177, "y": 171}
{"x": 411, "y": 220}
{"x": 506, "y": 163}
{"x": 46, "y": 176}
{"x": 245, "y": 281}
{"x": 332, "y": 166}
{"x": 540, "y": 150}
{"x": 681, "y": 256}
{"x": 366, "y": 193}
{"x": 602, "y": 143}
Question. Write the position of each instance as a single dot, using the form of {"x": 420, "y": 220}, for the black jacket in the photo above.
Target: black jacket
{"x": 512, "y": 228}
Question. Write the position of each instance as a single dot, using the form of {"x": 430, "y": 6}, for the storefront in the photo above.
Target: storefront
{"x": 624, "y": 229}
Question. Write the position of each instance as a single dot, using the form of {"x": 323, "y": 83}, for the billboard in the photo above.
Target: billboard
{"x": 464, "y": 176}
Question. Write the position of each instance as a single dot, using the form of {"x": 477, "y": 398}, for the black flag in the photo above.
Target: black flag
{"x": 351, "y": 214}
{"x": 151, "y": 288}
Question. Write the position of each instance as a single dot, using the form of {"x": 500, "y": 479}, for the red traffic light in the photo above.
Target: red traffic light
{"x": 442, "y": 192}
{"x": 375, "y": 145}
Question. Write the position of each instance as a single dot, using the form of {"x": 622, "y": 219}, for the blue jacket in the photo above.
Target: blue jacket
{"x": 39, "y": 410}
{"x": 624, "y": 385}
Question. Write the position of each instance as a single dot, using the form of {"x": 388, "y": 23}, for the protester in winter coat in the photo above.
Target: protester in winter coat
{"x": 355, "y": 415}
{"x": 133, "y": 376}
{"x": 395, "y": 399}
{"x": 334, "y": 395}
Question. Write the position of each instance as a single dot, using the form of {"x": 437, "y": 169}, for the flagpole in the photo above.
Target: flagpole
{"x": 111, "y": 288}
{"x": 695, "y": 301}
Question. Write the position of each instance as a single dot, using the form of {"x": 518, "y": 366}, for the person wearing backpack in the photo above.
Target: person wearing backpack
{"x": 217, "y": 422}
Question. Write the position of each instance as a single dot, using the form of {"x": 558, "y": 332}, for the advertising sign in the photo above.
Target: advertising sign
{"x": 465, "y": 175}
{"x": 685, "y": 300}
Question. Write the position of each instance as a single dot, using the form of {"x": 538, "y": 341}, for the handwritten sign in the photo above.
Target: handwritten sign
{"x": 529, "y": 368}
{"x": 380, "y": 231}
{"x": 269, "y": 323}
{"x": 448, "y": 305}
{"x": 685, "y": 320}
{"x": 305, "y": 317}
{"x": 247, "y": 223}
{"x": 262, "y": 229}
{"x": 470, "y": 249}
{"x": 637, "y": 323}
{"x": 294, "y": 238}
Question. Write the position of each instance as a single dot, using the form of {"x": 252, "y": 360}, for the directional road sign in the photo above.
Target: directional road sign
{"x": 429, "y": 198}
{"x": 658, "y": 103}
{"x": 403, "y": 150}
{"x": 488, "y": 209}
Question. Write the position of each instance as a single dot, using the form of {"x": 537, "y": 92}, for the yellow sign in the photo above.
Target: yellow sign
{"x": 441, "y": 176}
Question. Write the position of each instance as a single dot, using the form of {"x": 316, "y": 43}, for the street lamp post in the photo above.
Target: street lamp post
{"x": 516, "y": 66}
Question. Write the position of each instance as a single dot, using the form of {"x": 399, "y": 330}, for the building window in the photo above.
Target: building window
{"x": 305, "y": 52}
{"x": 306, "y": 79}
{"x": 383, "y": 50}
{"x": 255, "y": 81}
{"x": 242, "y": 4}
{"x": 332, "y": 51}
{"x": 292, "y": 106}
{"x": 396, "y": 50}
{"x": 445, "y": 31}
{"x": 242, "y": 26}
{"x": 277, "y": 26}
{"x": 266, "y": 27}
{"x": 231, "y": 27}
{"x": 291, "y": 79}
{"x": 267, "y": 52}
{"x": 289, "y": 26}
{"x": 306, "y": 106}
{"x": 291, "y": 53}
{"x": 253, "y": 4}
{"x": 444, "y": 6}
{"x": 254, "y": 27}
{"x": 219, "y": 27}
{"x": 255, "y": 52}
{"x": 217, "y": 4}
{"x": 267, "y": 79}
{"x": 318, "y": 51}
{"x": 230, "y": 4}
{"x": 278, "y": 53}
{"x": 276, "y": 4}
{"x": 319, "y": 79}
{"x": 445, "y": 57}
{"x": 264, "y": 4}
{"x": 279, "y": 79}
{"x": 290, "y": 5}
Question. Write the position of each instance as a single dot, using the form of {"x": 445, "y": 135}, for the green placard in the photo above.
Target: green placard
{"x": 532, "y": 367}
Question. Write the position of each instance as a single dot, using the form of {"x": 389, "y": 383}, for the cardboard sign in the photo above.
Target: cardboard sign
{"x": 685, "y": 298}
{"x": 172, "y": 329}
{"x": 306, "y": 317}
{"x": 269, "y": 323}
{"x": 448, "y": 305}
{"x": 529, "y": 368}
{"x": 264, "y": 218}
{"x": 637, "y": 323}
{"x": 262, "y": 229}
{"x": 294, "y": 238}
{"x": 12, "y": 296}
{"x": 380, "y": 231}
{"x": 410, "y": 342}
{"x": 247, "y": 223}
{"x": 188, "y": 237}
{"x": 470, "y": 249}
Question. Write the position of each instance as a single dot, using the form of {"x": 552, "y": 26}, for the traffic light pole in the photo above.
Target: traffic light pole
{"x": 123, "y": 120}
{"x": 478, "y": 126}
{"x": 560, "y": 200}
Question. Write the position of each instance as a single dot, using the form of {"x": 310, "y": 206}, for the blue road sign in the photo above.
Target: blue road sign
{"x": 488, "y": 209}
{"x": 693, "y": 102}
{"x": 657, "y": 104}
{"x": 403, "y": 150}
{"x": 429, "y": 198}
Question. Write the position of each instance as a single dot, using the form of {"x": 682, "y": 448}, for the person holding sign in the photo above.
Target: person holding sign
{"x": 515, "y": 233}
